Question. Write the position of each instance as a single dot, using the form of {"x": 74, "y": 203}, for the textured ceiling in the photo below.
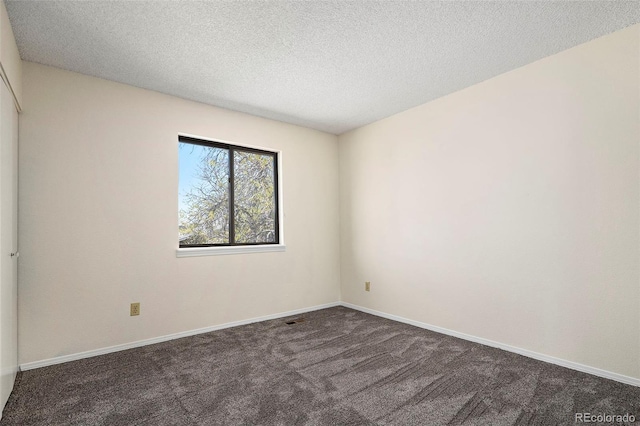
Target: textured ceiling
{"x": 328, "y": 65}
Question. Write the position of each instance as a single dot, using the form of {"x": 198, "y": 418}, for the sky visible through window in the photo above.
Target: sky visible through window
{"x": 190, "y": 156}
{"x": 206, "y": 215}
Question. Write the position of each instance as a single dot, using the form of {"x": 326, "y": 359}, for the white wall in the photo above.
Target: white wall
{"x": 98, "y": 211}
{"x": 509, "y": 210}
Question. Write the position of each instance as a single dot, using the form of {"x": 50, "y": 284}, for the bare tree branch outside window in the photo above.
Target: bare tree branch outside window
{"x": 206, "y": 215}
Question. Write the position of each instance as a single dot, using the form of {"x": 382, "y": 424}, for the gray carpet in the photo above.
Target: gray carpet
{"x": 337, "y": 367}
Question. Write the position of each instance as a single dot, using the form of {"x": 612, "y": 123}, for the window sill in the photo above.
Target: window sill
{"x": 215, "y": 251}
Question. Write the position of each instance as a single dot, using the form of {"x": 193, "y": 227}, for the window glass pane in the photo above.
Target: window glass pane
{"x": 254, "y": 196}
{"x": 203, "y": 195}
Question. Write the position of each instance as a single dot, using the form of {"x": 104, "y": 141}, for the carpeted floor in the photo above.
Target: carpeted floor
{"x": 337, "y": 367}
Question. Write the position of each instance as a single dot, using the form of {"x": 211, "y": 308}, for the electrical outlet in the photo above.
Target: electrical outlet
{"x": 367, "y": 286}
{"x": 135, "y": 309}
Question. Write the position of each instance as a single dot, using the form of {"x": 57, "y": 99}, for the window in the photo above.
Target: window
{"x": 228, "y": 195}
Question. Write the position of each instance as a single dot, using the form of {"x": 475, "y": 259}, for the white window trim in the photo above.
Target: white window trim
{"x": 221, "y": 250}
{"x": 260, "y": 248}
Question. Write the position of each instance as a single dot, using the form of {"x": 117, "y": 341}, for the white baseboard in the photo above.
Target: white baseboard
{"x": 137, "y": 344}
{"x": 525, "y": 352}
